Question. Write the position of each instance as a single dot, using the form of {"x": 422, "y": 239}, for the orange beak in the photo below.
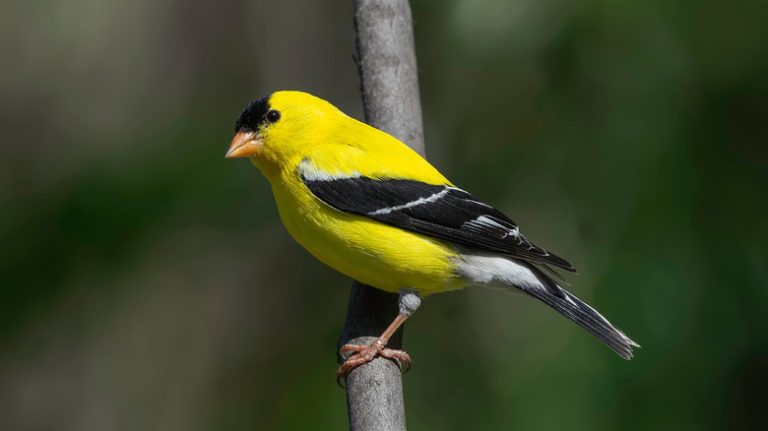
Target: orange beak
{"x": 245, "y": 144}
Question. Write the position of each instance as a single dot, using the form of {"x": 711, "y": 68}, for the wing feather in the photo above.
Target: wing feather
{"x": 436, "y": 210}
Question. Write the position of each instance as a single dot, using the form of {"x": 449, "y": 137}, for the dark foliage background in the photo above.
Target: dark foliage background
{"x": 147, "y": 284}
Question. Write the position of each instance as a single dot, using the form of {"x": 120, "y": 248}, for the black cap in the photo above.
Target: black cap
{"x": 253, "y": 116}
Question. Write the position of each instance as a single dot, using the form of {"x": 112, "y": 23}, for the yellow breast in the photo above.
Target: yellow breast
{"x": 368, "y": 251}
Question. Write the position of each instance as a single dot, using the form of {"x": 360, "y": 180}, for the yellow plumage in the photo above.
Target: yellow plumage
{"x": 312, "y": 130}
{"x": 367, "y": 205}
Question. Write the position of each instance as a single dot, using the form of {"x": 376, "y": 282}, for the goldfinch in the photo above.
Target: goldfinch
{"x": 370, "y": 207}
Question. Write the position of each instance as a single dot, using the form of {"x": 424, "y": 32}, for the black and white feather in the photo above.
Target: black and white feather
{"x": 493, "y": 250}
{"x": 440, "y": 211}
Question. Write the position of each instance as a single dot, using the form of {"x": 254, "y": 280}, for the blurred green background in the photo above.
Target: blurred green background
{"x": 147, "y": 284}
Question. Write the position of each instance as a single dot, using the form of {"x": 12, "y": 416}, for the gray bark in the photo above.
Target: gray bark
{"x": 386, "y": 60}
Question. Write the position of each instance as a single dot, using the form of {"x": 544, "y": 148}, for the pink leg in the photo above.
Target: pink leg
{"x": 365, "y": 354}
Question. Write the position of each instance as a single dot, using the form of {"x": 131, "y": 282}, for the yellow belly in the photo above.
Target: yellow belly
{"x": 382, "y": 256}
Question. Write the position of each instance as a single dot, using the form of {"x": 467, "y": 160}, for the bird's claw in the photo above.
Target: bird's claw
{"x": 363, "y": 354}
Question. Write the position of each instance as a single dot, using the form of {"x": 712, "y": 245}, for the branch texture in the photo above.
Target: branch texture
{"x": 386, "y": 60}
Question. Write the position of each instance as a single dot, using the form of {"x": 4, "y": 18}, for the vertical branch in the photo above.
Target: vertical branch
{"x": 386, "y": 60}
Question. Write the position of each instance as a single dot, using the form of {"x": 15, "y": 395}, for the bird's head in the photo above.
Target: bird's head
{"x": 280, "y": 127}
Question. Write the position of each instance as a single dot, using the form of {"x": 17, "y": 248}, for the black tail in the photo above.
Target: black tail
{"x": 585, "y": 316}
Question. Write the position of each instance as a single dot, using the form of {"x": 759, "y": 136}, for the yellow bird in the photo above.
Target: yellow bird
{"x": 370, "y": 207}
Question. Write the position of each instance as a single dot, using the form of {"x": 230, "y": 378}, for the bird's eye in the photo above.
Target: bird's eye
{"x": 273, "y": 116}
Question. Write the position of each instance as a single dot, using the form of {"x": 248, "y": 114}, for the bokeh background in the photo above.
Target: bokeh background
{"x": 147, "y": 284}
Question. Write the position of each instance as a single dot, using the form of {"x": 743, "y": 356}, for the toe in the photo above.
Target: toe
{"x": 350, "y": 348}
{"x": 363, "y": 354}
{"x": 401, "y": 356}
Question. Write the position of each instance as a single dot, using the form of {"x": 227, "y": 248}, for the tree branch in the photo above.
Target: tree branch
{"x": 386, "y": 60}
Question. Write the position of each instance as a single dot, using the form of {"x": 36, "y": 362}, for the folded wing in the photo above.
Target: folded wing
{"x": 440, "y": 211}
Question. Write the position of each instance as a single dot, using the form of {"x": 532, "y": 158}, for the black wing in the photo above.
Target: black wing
{"x": 439, "y": 211}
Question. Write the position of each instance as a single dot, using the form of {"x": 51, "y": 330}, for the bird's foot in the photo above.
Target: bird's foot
{"x": 364, "y": 354}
